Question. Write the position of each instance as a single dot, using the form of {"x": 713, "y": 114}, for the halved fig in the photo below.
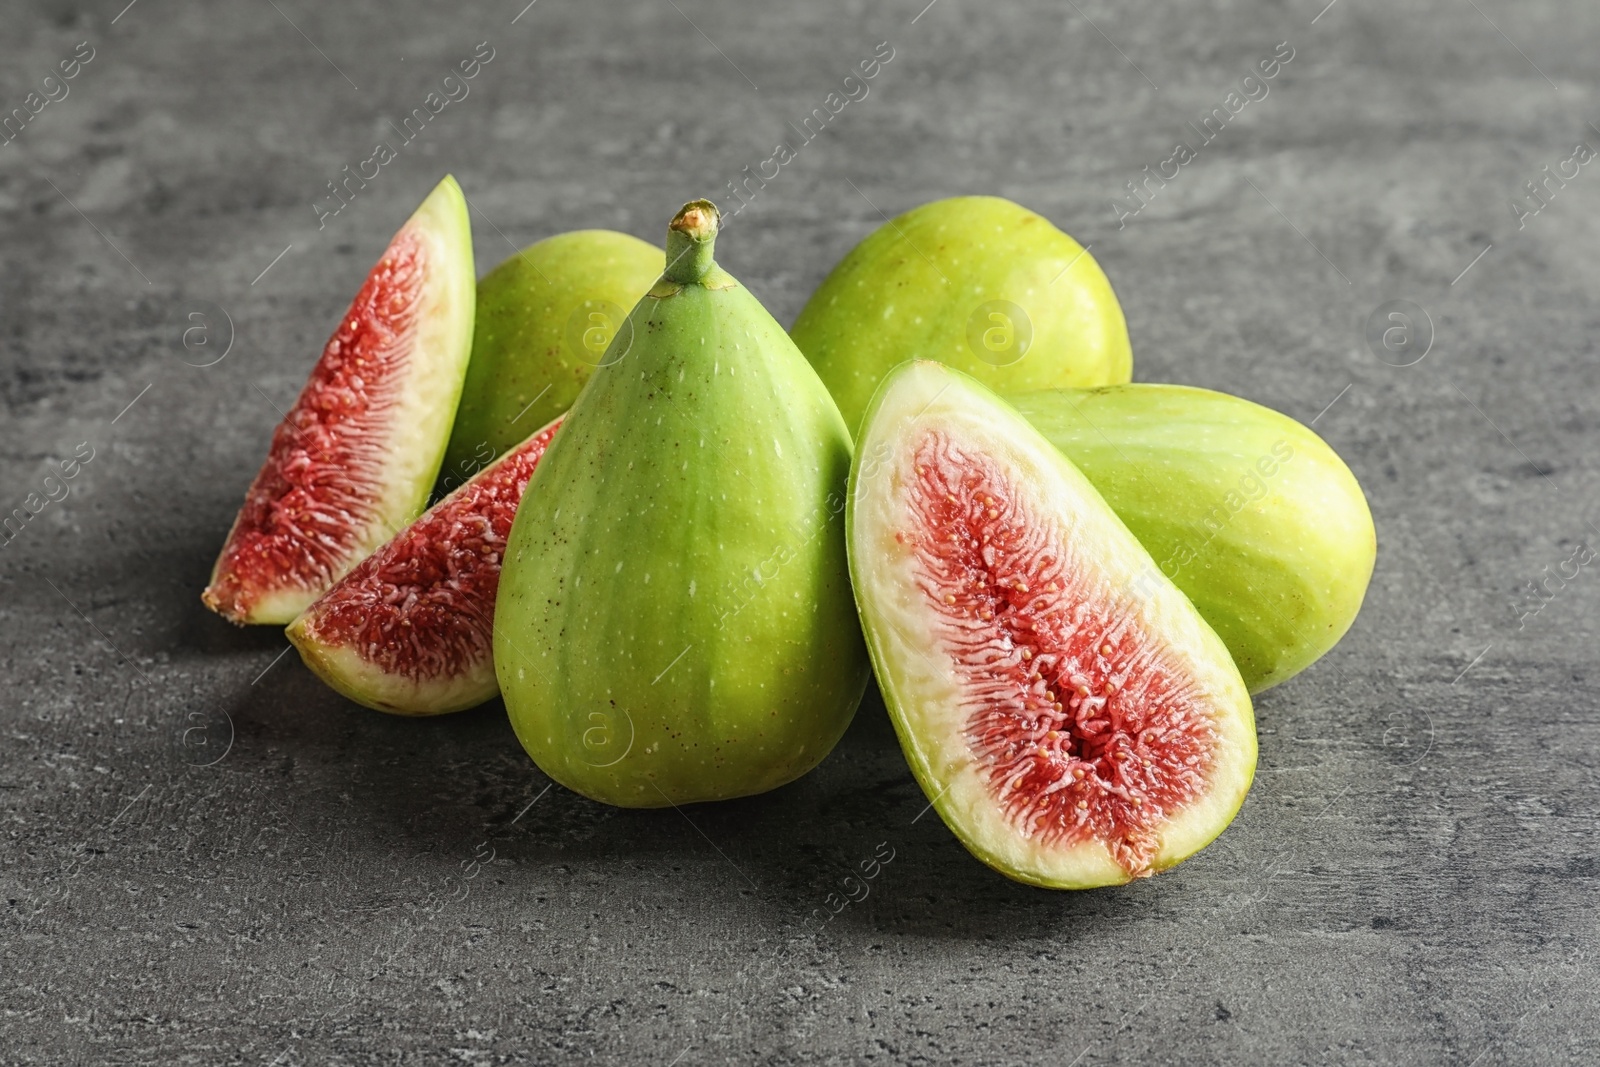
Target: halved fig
{"x": 358, "y": 453}
{"x": 409, "y": 630}
{"x": 1073, "y": 720}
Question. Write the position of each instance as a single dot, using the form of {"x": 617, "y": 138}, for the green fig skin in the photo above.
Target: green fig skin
{"x": 675, "y": 621}
{"x": 1248, "y": 512}
{"x": 917, "y": 287}
{"x": 544, "y": 318}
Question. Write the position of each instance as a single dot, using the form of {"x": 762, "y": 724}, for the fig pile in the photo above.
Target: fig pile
{"x": 678, "y": 541}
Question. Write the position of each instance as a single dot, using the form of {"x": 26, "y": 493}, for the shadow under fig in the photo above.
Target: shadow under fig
{"x": 447, "y": 788}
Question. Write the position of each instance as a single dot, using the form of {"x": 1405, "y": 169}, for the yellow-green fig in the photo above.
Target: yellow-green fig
{"x": 545, "y": 318}
{"x": 1073, "y": 731}
{"x": 976, "y": 282}
{"x": 1248, "y": 512}
{"x": 674, "y": 620}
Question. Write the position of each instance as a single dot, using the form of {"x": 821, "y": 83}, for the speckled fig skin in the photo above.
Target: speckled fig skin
{"x": 544, "y": 319}
{"x": 675, "y": 621}
{"x": 920, "y": 287}
{"x": 1248, "y": 512}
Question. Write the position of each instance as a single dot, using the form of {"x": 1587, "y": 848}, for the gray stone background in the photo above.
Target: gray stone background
{"x": 210, "y": 858}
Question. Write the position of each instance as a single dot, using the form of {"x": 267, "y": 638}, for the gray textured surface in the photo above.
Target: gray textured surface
{"x": 1413, "y": 878}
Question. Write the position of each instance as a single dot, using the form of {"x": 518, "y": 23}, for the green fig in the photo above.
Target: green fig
{"x": 1248, "y": 512}
{"x": 675, "y": 621}
{"x": 545, "y": 318}
{"x": 977, "y": 283}
{"x": 1072, "y": 729}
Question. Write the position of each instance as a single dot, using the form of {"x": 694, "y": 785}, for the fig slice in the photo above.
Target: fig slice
{"x": 1074, "y": 728}
{"x": 354, "y": 460}
{"x": 409, "y": 631}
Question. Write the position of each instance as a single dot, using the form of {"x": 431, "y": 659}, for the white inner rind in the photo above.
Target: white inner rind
{"x": 923, "y": 686}
{"x": 430, "y": 388}
{"x": 348, "y": 672}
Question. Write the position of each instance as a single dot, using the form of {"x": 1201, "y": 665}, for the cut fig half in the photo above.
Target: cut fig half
{"x": 354, "y": 460}
{"x": 1069, "y": 714}
{"x": 410, "y": 630}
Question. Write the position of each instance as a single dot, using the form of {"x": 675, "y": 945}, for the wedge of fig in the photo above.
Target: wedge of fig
{"x": 409, "y": 630}
{"x": 545, "y": 319}
{"x": 356, "y": 457}
{"x": 1070, "y": 733}
{"x": 976, "y": 282}
{"x": 1251, "y": 514}
{"x": 675, "y": 622}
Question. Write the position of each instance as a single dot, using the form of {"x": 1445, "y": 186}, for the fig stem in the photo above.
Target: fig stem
{"x": 691, "y": 237}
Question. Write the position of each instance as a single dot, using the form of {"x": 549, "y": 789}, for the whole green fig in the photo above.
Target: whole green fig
{"x": 1247, "y": 511}
{"x": 545, "y": 317}
{"x": 976, "y": 282}
{"x": 675, "y": 620}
